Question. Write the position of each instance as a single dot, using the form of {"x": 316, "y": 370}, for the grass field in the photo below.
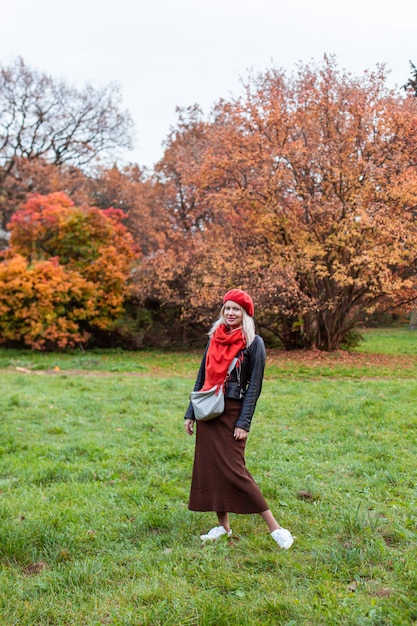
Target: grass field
{"x": 94, "y": 478}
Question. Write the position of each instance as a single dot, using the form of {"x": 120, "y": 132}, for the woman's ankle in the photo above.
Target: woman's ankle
{"x": 223, "y": 519}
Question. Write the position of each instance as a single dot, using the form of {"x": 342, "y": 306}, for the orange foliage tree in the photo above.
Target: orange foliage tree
{"x": 65, "y": 275}
{"x": 302, "y": 191}
{"x": 141, "y": 198}
{"x": 44, "y": 305}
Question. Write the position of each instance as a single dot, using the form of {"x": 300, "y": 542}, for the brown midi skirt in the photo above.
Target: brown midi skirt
{"x": 220, "y": 480}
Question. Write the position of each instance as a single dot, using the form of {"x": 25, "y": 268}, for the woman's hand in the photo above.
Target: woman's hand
{"x": 189, "y": 426}
{"x": 240, "y": 434}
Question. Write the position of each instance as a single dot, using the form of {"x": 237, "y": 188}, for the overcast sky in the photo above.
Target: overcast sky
{"x": 169, "y": 53}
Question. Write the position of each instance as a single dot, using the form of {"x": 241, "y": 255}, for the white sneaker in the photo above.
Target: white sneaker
{"x": 215, "y": 533}
{"x": 283, "y": 538}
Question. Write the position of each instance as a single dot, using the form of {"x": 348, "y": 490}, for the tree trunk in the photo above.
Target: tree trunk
{"x": 413, "y": 320}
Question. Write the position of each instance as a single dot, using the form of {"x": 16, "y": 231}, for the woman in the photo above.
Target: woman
{"x": 220, "y": 480}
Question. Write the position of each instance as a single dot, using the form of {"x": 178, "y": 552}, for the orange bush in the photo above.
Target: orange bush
{"x": 43, "y": 305}
{"x": 65, "y": 274}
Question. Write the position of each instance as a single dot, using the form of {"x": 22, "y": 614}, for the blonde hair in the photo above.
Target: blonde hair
{"x": 248, "y": 325}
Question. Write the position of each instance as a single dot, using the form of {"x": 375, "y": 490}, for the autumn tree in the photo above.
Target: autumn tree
{"x": 311, "y": 180}
{"x": 166, "y": 278}
{"x": 65, "y": 276}
{"x": 44, "y": 119}
{"x": 141, "y": 198}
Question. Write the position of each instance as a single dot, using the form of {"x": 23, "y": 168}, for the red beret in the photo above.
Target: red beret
{"x": 242, "y": 298}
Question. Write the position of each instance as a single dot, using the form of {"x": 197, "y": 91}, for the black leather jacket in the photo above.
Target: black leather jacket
{"x": 244, "y": 384}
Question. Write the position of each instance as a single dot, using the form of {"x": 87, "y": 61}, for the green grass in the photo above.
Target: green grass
{"x": 148, "y": 363}
{"x": 94, "y": 479}
{"x": 398, "y": 340}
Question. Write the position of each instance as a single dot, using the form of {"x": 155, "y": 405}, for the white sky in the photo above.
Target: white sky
{"x": 168, "y": 53}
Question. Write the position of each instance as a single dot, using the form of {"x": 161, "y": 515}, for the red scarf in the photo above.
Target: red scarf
{"x": 223, "y": 348}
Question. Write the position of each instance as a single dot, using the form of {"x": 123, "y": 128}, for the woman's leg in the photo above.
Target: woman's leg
{"x": 223, "y": 518}
{"x": 270, "y": 520}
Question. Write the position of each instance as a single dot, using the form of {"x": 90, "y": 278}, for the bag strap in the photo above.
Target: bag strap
{"x": 232, "y": 365}
{"x": 229, "y": 370}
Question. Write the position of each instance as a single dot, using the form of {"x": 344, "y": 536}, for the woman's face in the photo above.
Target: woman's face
{"x": 232, "y": 314}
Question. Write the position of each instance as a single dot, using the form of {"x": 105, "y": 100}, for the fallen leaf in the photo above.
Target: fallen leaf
{"x": 35, "y": 568}
{"x": 304, "y": 495}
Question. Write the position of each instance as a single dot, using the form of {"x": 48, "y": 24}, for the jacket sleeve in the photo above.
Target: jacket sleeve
{"x": 257, "y": 358}
{"x": 201, "y": 376}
